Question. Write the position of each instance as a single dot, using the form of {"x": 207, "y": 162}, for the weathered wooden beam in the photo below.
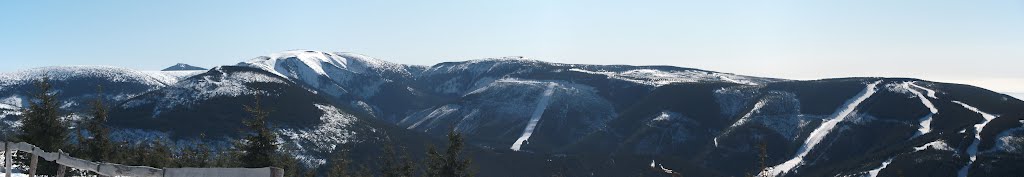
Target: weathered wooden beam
{"x": 33, "y": 165}
{"x": 64, "y": 161}
{"x": 7, "y": 159}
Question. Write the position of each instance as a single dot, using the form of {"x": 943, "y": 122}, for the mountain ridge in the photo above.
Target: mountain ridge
{"x": 609, "y": 120}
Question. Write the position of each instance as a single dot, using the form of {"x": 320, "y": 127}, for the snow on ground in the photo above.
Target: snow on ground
{"x": 538, "y": 112}
{"x": 819, "y": 133}
{"x": 324, "y": 137}
{"x": 741, "y": 121}
{"x": 112, "y": 74}
{"x": 653, "y": 77}
{"x": 1010, "y": 140}
{"x": 931, "y": 93}
{"x": 874, "y": 172}
{"x": 439, "y": 112}
{"x": 972, "y": 150}
{"x": 661, "y": 167}
{"x": 664, "y": 116}
{"x": 926, "y": 121}
{"x": 170, "y": 77}
{"x": 189, "y": 92}
{"x": 14, "y": 174}
{"x": 937, "y": 145}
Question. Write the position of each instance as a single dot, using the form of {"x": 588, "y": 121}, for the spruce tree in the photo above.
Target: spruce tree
{"x": 99, "y": 146}
{"x": 339, "y": 165}
{"x": 259, "y": 146}
{"x": 393, "y": 165}
{"x": 450, "y": 164}
{"x": 434, "y": 162}
{"x": 42, "y": 125}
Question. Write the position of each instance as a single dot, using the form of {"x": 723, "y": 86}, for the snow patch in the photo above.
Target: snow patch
{"x": 937, "y": 145}
{"x": 741, "y": 121}
{"x": 661, "y": 167}
{"x": 653, "y": 77}
{"x": 819, "y": 133}
{"x": 931, "y": 93}
{"x": 324, "y": 137}
{"x": 664, "y": 116}
{"x": 926, "y": 121}
{"x": 538, "y": 112}
{"x": 972, "y": 150}
{"x": 874, "y": 173}
{"x": 1010, "y": 141}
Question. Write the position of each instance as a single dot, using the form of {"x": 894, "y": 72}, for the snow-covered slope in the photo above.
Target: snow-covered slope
{"x": 77, "y": 84}
{"x": 518, "y": 113}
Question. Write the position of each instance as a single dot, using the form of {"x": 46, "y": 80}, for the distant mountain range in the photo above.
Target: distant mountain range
{"x": 526, "y": 117}
{"x": 182, "y": 67}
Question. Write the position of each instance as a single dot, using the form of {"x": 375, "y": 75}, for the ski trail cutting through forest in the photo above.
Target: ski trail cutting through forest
{"x": 819, "y": 133}
{"x": 542, "y": 105}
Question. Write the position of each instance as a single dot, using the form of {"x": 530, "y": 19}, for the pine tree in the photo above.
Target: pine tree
{"x": 364, "y": 171}
{"x": 762, "y": 156}
{"x": 339, "y": 165}
{"x": 450, "y": 164}
{"x": 434, "y": 162}
{"x": 394, "y": 166}
{"x": 199, "y": 155}
{"x": 42, "y": 125}
{"x": 259, "y": 146}
{"x": 98, "y": 147}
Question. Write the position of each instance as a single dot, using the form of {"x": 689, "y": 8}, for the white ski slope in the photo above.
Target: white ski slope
{"x": 874, "y": 173}
{"x": 741, "y": 121}
{"x": 931, "y": 93}
{"x": 926, "y": 121}
{"x": 819, "y": 133}
{"x": 542, "y": 104}
{"x": 972, "y": 150}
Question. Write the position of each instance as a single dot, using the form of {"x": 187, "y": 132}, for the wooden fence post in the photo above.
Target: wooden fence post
{"x": 60, "y": 170}
{"x": 33, "y": 165}
{"x": 7, "y": 158}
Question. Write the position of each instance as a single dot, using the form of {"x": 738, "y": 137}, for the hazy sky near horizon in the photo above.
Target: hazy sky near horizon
{"x": 977, "y": 42}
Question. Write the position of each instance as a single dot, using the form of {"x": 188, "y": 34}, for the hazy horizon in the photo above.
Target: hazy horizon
{"x": 975, "y": 42}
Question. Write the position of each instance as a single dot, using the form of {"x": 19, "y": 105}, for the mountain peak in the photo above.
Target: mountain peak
{"x": 182, "y": 67}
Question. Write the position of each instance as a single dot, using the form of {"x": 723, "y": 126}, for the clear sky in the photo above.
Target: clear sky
{"x": 978, "y": 42}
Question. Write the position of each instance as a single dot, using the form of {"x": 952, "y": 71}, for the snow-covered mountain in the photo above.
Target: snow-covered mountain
{"x": 531, "y": 118}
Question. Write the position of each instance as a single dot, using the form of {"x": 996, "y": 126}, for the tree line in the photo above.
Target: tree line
{"x": 43, "y": 126}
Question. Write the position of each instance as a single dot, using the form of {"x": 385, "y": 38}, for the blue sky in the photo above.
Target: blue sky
{"x": 976, "y": 42}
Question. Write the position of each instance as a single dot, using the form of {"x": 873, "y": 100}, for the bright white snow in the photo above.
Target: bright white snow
{"x": 931, "y": 93}
{"x": 654, "y": 77}
{"x": 324, "y": 137}
{"x": 112, "y": 74}
{"x": 874, "y": 173}
{"x": 937, "y": 145}
{"x": 972, "y": 150}
{"x": 819, "y": 133}
{"x": 661, "y": 167}
{"x": 538, "y": 112}
{"x": 741, "y": 121}
{"x": 926, "y": 121}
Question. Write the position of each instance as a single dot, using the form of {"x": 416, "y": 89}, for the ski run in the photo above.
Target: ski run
{"x": 542, "y": 104}
{"x": 819, "y": 133}
{"x": 972, "y": 150}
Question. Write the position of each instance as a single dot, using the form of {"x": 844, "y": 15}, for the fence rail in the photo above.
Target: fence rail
{"x": 110, "y": 169}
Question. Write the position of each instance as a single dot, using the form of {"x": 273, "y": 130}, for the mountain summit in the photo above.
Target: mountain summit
{"x": 183, "y": 67}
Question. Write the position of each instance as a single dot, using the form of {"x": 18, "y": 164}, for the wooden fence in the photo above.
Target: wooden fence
{"x": 109, "y": 169}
